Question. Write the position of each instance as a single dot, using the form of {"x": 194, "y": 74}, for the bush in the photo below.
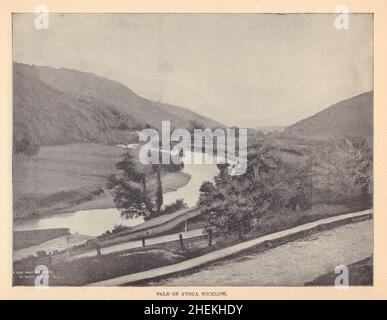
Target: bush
{"x": 26, "y": 145}
{"x": 174, "y": 206}
{"x": 41, "y": 253}
{"x": 116, "y": 229}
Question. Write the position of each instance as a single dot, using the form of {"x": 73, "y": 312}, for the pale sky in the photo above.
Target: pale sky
{"x": 240, "y": 69}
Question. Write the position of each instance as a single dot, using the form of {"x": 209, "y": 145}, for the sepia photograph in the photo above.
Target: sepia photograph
{"x": 192, "y": 149}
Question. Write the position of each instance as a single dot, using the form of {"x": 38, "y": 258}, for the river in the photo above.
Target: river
{"x": 291, "y": 264}
{"x": 96, "y": 221}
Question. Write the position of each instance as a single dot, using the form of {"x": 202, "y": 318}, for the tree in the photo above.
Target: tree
{"x": 159, "y": 191}
{"x": 26, "y": 144}
{"x": 299, "y": 177}
{"x": 343, "y": 171}
{"x": 130, "y": 189}
{"x": 234, "y": 203}
{"x": 261, "y": 158}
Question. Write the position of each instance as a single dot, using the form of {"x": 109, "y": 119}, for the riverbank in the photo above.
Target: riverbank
{"x": 28, "y": 238}
{"x": 171, "y": 182}
{"x": 82, "y": 170}
{"x": 53, "y": 245}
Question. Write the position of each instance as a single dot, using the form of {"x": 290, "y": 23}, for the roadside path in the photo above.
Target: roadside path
{"x": 153, "y": 227}
{"x": 138, "y": 243}
{"x": 226, "y": 252}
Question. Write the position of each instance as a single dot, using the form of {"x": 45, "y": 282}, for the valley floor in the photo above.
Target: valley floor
{"x": 69, "y": 178}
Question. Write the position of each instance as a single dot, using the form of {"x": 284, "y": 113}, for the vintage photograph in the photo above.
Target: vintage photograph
{"x": 192, "y": 149}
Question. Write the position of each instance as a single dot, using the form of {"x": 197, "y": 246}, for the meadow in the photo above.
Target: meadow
{"x": 69, "y": 177}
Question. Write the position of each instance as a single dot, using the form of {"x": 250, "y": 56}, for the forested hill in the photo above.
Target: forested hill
{"x": 59, "y": 106}
{"x": 348, "y": 118}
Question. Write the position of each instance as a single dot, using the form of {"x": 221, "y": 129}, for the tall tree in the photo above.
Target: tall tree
{"x": 159, "y": 189}
{"x": 130, "y": 188}
{"x": 234, "y": 203}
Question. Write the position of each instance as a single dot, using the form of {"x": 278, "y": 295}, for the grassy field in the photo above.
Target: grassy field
{"x": 27, "y": 238}
{"x": 87, "y": 270}
{"x": 69, "y": 177}
{"x": 64, "y": 168}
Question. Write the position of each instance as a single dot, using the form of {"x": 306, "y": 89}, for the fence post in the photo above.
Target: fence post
{"x": 143, "y": 241}
{"x": 181, "y": 241}
{"x": 210, "y": 237}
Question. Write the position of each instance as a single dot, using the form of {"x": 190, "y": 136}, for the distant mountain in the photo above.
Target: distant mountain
{"x": 59, "y": 106}
{"x": 267, "y": 129}
{"x": 351, "y": 118}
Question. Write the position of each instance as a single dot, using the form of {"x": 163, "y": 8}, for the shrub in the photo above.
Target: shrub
{"x": 174, "y": 206}
{"x": 41, "y": 253}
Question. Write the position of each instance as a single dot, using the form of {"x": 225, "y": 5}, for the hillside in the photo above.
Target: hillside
{"x": 351, "y": 118}
{"x": 267, "y": 129}
{"x": 60, "y": 106}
